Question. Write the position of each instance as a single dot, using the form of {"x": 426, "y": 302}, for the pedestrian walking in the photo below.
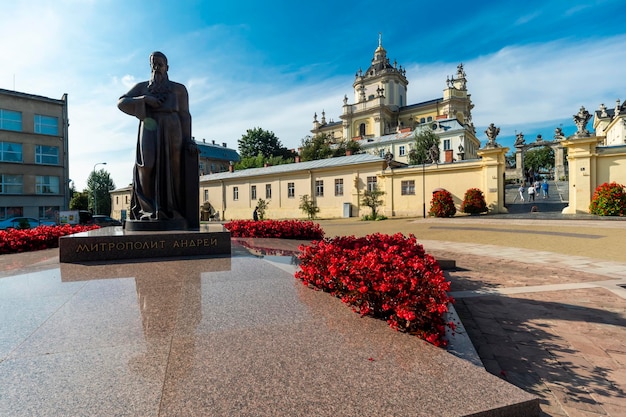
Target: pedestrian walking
{"x": 521, "y": 192}
{"x": 531, "y": 193}
{"x": 544, "y": 188}
{"x": 255, "y": 214}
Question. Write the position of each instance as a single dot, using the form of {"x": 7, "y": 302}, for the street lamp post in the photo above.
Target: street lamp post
{"x": 95, "y": 198}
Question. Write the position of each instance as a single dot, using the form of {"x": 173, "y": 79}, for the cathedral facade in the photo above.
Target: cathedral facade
{"x": 384, "y": 123}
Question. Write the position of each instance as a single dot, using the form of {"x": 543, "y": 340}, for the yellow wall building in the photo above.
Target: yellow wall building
{"x": 336, "y": 185}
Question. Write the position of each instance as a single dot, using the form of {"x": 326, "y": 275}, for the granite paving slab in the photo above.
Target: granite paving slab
{"x": 219, "y": 337}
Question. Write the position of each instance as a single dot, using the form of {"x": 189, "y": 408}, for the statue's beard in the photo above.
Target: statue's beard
{"x": 159, "y": 83}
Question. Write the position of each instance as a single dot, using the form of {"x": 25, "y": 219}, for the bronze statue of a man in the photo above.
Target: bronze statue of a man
{"x": 165, "y": 177}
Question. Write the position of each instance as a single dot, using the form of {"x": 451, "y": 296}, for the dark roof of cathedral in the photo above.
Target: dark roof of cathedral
{"x": 423, "y": 103}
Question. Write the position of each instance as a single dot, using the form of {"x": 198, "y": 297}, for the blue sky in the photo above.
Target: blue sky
{"x": 273, "y": 64}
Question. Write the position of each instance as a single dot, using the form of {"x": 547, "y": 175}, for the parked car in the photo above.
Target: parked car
{"x": 23, "y": 223}
{"x": 103, "y": 220}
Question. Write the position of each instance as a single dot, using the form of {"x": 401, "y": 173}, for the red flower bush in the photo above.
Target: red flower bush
{"x": 383, "y": 276}
{"x": 608, "y": 200}
{"x": 442, "y": 205}
{"x": 41, "y": 237}
{"x": 474, "y": 202}
{"x": 283, "y": 229}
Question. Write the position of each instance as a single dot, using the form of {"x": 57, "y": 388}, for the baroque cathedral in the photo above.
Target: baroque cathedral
{"x": 384, "y": 123}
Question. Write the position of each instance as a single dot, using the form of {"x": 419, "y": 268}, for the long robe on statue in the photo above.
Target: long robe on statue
{"x": 163, "y": 141}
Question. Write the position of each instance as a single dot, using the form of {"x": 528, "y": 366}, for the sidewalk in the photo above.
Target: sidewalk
{"x": 540, "y": 314}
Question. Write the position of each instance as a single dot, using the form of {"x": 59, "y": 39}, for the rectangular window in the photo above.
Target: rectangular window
{"x": 402, "y": 151}
{"x": 10, "y": 120}
{"x": 46, "y": 184}
{"x": 291, "y": 190}
{"x": 371, "y": 183}
{"x": 235, "y": 193}
{"x": 253, "y": 192}
{"x": 206, "y": 195}
{"x": 268, "y": 190}
{"x": 46, "y": 125}
{"x": 446, "y": 145}
{"x": 381, "y": 153}
{"x": 48, "y": 155}
{"x": 10, "y": 152}
{"x": 408, "y": 187}
{"x": 48, "y": 212}
{"x": 8, "y": 212}
{"x": 11, "y": 184}
{"x": 319, "y": 188}
{"x": 117, "y": 200}
{"x": 339, "y": 186}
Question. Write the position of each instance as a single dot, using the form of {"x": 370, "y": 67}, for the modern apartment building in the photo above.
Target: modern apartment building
{"x": 34, "y": 169}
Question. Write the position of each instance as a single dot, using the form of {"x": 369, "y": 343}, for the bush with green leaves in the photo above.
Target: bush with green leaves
{"x": 442, "y": 204}
{"x": 308, "y": 206}
{"x": 609, "y": 200}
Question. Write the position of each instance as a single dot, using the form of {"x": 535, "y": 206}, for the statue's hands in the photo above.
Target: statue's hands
{"x": 151, "y": 101}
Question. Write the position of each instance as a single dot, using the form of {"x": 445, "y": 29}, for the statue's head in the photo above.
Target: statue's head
{"x": 158, "y": 62}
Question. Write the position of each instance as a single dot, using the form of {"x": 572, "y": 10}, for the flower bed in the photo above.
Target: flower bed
{"x": 609, "y": 200}
{"x": 282, "y": 229}
{"x": 442, "y": 204}
{"x": 384, "y": 276}
{"x": 41, "y": 237}
{"x": 474, "y": 202}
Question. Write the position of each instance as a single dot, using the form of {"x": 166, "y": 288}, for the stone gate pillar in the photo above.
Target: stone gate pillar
{"x": 519, "y": 162}
{"x": 581, "y": 156}
{"x": 494, "y": 165}
{"x": 559, "y": 162}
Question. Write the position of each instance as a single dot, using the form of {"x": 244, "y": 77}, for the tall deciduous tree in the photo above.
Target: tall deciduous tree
{"x": 539, "y": 159}
{"x": 372, "y": 199}
{"x": 424, "y": 140}
{"x": 316, "y": 147}
{"x": 321, "y": 146}
{"x": 99, "y": 184}
{"x": 262, "y": 142}
{"x": 80, "y": 200}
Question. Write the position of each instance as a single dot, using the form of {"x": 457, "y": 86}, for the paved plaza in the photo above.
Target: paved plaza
{"x": 542, "y": 297}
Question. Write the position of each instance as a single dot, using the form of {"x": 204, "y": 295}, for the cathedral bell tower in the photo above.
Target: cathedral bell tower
{"x": 379, "y": 93}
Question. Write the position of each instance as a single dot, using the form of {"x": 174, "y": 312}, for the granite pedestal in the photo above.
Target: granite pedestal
{"x": 114, "y": 243}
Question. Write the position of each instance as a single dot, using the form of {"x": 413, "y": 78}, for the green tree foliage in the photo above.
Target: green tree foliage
{"x": 262, "y": 142}
{"x": 80, "y": 200}
{"x": 308, "y": 206}
{"x": 260, "y": 161}
{"x": 321, "y": 146}
{"x": 539, "y": 159}
{"x": 424, "y": 140}
{"x": 372, "y": 199}
{"x": 99, "y": 184}
{"x": 316, "y": 147}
